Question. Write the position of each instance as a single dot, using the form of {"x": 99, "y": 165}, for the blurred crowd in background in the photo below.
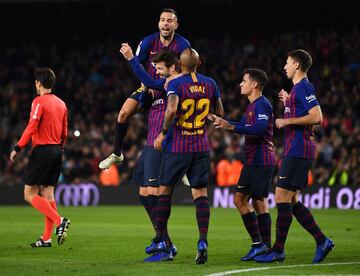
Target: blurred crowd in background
{"x": 94, "y": 80}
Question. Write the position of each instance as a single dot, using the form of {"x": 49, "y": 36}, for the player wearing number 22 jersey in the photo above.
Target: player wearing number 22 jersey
{"x": 185, "y": 144}
{"x": 196, "y": 94}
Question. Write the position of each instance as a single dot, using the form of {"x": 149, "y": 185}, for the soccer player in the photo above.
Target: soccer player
{"x": 185, "y": 144}
{"x": 47, "y": 127}
{"x": 302, "y": 112}
{"x": 147, "y": 170}
{"x": 166, "y": 38}
{"x": 256, "y": 175}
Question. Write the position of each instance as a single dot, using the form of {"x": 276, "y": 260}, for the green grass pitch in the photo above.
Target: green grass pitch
{"x": 111, "y": 241}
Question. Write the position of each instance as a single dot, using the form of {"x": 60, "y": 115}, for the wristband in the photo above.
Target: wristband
{"x": 17, "y": 148}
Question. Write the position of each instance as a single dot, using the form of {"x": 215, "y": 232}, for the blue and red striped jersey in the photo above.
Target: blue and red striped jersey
{"x": 147, "y": 48}
{"x": 257, "y": 125}
{"x": 300, "y": 140}
{"x": 197, "y": 94}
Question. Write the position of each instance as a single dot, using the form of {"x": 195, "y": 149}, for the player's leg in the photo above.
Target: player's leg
{"x": 248, "y": 215}
{"x": 263, "y": 178}
{"x": 264, "y": 219}
{"x": 304, "y": 216}
{"x": 160, "y": 250}
{"x": 130, "y": 107}
{"x": 153, "y": 160}
{"x": 173, "y": 167}
{"x": 198, "y": 175}
{"x": 284, "y": 193}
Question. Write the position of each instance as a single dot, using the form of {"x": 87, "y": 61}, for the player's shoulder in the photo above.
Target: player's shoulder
{"x": 265, "y": 101}
{"x": 202, "y": 77}
{"x": 180, "y": 39}
{"x": 150, "y": 38}
{"x": 305, "y": 86}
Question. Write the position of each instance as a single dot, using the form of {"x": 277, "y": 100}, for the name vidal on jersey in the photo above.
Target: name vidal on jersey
{"x": 197, "y": 88}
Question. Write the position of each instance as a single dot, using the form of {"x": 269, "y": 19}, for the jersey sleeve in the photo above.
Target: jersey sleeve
{"x": 307, "y": 97}
{"x": 172, "y": 89}
{"x": 217, "y": 90}
{"x": 262, "y": 116}
{"x": 64, "y": 132}
{"x": 32, "y": 126}
{"x": 142, "y": 51}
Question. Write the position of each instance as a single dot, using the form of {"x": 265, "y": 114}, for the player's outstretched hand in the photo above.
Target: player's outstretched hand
{"x": 212, "y": 117}
{"x": 220, "y": 123}
{"x": 13, "y": 155}
{"x": 126, "y": 51}
{"x": 283, "y": 95}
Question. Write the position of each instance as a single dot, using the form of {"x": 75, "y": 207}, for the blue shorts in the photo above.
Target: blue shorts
{"x": 196, "y": 165}
{"x": 148, "y": 167}
{"x": 293, "y": 174}
{"x": 255, "y": 181}
{"x": 143, "y": 97}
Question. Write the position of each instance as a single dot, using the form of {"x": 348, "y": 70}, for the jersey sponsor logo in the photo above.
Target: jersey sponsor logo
{"x": 157, "y": 102}
{"x": 152, "y": 179}
{"x": 192, "y": 133}
{"x": 263, "y": 117}
{"x": 287, "y": 109}
{"x": 85, "y": 194}
{"x": 36, "y": 111}
{"x": 310, "y": 98}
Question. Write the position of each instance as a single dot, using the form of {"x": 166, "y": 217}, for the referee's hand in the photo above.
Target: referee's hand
{"x": 13, "y": 155}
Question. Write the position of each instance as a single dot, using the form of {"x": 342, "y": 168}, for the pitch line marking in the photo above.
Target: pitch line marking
{"x": 275, "y": 267}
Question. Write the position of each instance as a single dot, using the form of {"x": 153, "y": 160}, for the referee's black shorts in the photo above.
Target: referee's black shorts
{"x": 44, "y": 166}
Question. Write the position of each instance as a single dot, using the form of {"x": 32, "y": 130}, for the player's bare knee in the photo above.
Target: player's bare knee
{"x": 124, "y": 115}
{"x": 199, "y": 192}
{"x": 164, "y": 190}
{"x": 260, "y": 206}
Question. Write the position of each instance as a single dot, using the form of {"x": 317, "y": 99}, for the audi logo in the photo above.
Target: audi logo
{"x": 84, "y": 194}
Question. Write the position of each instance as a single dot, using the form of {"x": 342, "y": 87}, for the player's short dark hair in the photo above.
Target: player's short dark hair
{"x": 169, "y": 10}
{"x": 257, "y": 75}
{"x": 45, "y": 76}
{"x": 168, "y": 57}
{"x": 303, "y": 57}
